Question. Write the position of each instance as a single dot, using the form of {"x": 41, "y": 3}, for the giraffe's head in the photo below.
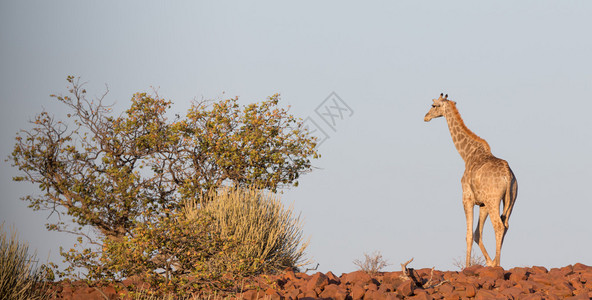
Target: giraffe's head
{"x": 437, "y": 109}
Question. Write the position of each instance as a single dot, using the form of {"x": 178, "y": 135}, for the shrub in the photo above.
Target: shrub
{"x": 19, "y": 276}
{"x": 372, "y": 264}
{"x": 172, "y": 253}
{"x": 209, "y": 244}
{"x": 267, "y": 236}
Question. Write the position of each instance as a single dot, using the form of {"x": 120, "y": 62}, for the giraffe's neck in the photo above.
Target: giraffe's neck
{"x": 467, "y": 143}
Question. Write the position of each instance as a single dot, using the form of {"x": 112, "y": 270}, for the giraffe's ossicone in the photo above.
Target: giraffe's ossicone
{"x": 487, "y": 181}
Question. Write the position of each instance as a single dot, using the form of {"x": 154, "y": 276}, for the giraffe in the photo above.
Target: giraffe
{"x": 487, "y": 180}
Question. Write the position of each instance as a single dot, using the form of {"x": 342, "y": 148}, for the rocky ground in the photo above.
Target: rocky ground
{"x": 570, "y": 282}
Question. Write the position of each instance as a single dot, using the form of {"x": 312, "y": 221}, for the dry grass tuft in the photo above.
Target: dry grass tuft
{"x": 372, "y": 264}
{"x": 268, "y": 235}
{"x": 19, "y": 276}
{"x": 460, "y": 263}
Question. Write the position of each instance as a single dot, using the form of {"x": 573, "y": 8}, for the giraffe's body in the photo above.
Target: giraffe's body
{"x": 486, "y": 182}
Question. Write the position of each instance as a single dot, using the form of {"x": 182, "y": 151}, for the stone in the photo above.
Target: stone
{"x": 358, "y": 276}
{"x": 580, "y": 297}
{"x": 293, "y": 293}
{"x": 289, "y": 274}
{"x": 452, "y": 297}
{"x": 333, "y": 291}
{"x": 332, "y": 278}
{"x": 512, "y": 292}
{"x": 539, "y": 270}
{"x": 372, "y": 286}
{"x": 493, "y": 273}
{"x": 540, "y": 278}
{"x": 470, "y": 290}
{"x": 251, "y": 295}
{"x": 488, "y": 295}
{"x": 446, "y": 289}
{"x": 391, "y": 296}
{"x": 517, "y": 274}
{"x": 581, "y": 267}
{"x": 390, "y": 283}
{"x": 375, "y": 295}
{"x": 317, "y": 281}
{"x": 472, "y": 270}
{"x": 406, "y": 288}
{"x": 357, "y": 292}
{"x": 309, "y": 293}
{"x": 536, "y": 296}
{"x": 421, "y": 295}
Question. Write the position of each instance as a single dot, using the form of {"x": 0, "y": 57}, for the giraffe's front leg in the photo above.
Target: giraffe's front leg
{"x": 468, "y": 206}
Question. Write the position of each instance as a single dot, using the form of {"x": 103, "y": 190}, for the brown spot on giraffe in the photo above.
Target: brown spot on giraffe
{"x": 486, "y": 182}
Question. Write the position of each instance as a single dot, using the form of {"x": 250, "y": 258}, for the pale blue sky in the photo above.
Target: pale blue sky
{"x": 521, "y": 74}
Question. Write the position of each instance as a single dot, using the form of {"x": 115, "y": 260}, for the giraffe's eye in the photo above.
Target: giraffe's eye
{"x": 433, "y": 105}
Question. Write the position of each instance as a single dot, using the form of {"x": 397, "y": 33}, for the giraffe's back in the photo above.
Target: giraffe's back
{"x": 489, "y": 179}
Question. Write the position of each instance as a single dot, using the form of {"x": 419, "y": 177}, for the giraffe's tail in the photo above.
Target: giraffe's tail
{"x": 510, "y": 197}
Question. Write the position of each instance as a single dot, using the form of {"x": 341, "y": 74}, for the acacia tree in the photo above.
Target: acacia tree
{"x": 111, "y": 171}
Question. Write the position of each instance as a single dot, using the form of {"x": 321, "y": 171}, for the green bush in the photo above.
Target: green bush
{"x": 19, "y": 276}
{"x": 267, "y": 236}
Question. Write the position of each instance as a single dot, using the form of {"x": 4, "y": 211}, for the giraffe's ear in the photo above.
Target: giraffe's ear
{"x": 454, "y": 102}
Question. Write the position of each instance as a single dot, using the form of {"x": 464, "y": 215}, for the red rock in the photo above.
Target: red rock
{"x": 390, "y": 283}
{"x": 375, "y": 295}
{"x": 421, "y": 295}
{"x": 561, "y": 293}
{"x": 446, "y": 289}
{"x": 334, "y": 291}
{"x": 357, "y": 292}
{"x": 487, "y": 283}
{"x": 358, "y": 276}
{"x": 567, "y": 270}
{"x": 391, "y": 296}
{"x": 488, "y": 295}
{"x": 452, "y": 297}
{"x": 493, "y": 273}
{"x": 289, "y": 274}
{"x": 309, "y": 293}
{"x": 272, "y": 294}
{"x": 536, "y": 296}
{"x": 512, "y": 292}
{"x": 538, "y": 270}
{"x": 332, "y": 278}
{"x": 503, "y": 284}
{"x": 580, "y": 297}
{"x": 581, "y": 267}
{"x": 293, "y": 293}
{"x": 251, "y": 295}
{"x": 317, "y": 281}
{"x": 472, "y": 270}
{"x": 517, "y": 274}
{"x": 542, "y": 279}
{"x": 470, "y": 290}
{"x": 406, "y": 288}
{"x": 109, "y": 292}
{"x": 372, "y": 287}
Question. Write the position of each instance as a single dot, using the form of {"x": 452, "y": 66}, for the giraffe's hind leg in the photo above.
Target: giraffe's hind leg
{"x": 478, "y": 235}
{"x": 499, "y": 229}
